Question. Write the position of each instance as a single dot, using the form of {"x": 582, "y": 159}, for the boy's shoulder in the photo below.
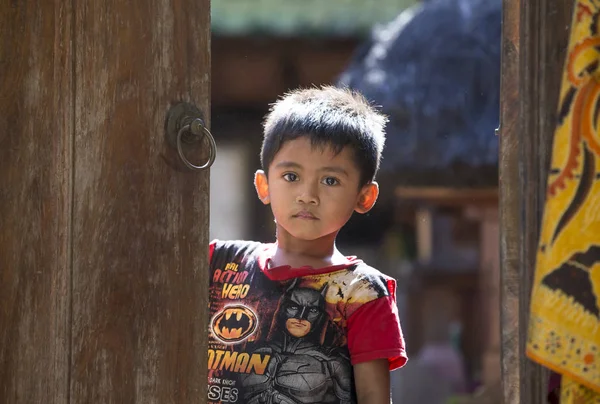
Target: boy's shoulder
{"x": 367, "y": 272}
{"x": 359, "y": 283}
{"x": 236, "y": 251}
{"x": 369, "y": 280}
{"x": 217, "y": 245}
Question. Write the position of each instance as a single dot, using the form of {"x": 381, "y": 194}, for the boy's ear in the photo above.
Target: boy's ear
{"x": 367, "y": 197}
{"x": 262, "y": 186}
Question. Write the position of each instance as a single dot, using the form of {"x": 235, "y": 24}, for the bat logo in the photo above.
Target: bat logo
{"x": 234, "y": 324}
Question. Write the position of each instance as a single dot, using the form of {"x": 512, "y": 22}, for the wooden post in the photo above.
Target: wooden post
{"x": 534, "y": 41}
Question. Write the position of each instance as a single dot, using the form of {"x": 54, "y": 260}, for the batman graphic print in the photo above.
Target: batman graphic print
{"x": 291, "y": 336}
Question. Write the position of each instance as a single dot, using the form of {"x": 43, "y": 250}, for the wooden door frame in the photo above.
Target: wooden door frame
{"x": 533, "y": 52}
{"x": 103, "y": 230}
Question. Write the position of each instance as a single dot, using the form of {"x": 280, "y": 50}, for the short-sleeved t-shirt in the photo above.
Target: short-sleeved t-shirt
{"x": 291, "y": 335}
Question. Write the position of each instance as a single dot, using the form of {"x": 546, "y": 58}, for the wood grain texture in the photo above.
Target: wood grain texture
{"x": 535, "y": 35}
{"x": 510, "y": 201}
{"x": 140, "y": 220}
{"x": 544, "y": 43}
{"x": 36, "y": 118}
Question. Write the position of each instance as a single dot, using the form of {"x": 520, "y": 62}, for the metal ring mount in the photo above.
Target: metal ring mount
{"x": 197, "y": 129}
{"x": 185, "y": 125}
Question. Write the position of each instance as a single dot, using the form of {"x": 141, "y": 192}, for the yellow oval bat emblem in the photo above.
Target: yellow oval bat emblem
{"x": 234, "y": 324}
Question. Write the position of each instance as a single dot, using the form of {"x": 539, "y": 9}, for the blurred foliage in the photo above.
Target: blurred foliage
{"x": 302, "y": 17}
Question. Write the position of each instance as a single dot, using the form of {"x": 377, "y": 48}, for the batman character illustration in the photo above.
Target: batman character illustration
{"x": 301, "y": 369}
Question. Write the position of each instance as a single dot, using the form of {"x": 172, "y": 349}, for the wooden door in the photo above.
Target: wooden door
{"x": 103, "y": 232}
{"x": 535, "y": 36}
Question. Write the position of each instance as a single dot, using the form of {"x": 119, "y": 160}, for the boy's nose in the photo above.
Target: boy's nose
{"x": 308, "y": 193}
{"x": 309, "y": 198}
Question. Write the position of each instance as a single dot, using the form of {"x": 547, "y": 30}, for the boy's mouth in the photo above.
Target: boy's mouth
{"x": 304, "y": 214}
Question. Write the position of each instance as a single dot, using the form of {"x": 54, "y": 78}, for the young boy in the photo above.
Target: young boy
{"x": 296, "y": 321}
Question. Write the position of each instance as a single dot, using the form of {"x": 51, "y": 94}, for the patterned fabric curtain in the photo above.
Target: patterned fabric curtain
{"x": 564, "y": 328}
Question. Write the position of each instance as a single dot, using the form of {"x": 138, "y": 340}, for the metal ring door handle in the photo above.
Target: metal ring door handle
{"x": 185, "y": 126}
{"x": 199, "y": 130}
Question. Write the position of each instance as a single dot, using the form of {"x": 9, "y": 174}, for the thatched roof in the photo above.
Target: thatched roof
{"x": 435, "y": 70}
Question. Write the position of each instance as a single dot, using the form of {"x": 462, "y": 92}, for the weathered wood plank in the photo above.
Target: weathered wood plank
{"x": 535, "y": 35}
{"x": 140, "y": 221}
{"x": 510, "y": 210}
{"x": 545, "y": 38}
{"x": 35, "y": 194}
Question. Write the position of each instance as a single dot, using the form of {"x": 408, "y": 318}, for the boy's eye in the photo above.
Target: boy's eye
{"x": 290, "y": 177}
{"x": 331, "y": 181}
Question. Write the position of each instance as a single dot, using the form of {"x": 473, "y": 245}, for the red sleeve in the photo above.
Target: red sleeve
{"x": 211, "y": 248}
{"x": 374, "y": 332}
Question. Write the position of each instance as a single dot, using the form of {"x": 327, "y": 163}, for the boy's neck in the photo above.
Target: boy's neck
{"x": 297, "y": 253}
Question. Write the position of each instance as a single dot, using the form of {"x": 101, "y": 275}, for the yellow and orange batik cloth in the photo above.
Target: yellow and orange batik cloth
{"x": 564, "y": 326}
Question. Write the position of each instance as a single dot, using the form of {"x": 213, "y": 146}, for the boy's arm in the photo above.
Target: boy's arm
{"x": 372, "y": 380}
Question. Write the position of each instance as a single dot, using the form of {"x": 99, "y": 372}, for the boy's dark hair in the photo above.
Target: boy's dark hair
{"x": 329, "y": 116}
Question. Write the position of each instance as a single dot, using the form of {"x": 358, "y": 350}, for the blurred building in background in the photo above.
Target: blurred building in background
{"x": 434, "y": 67}
{"x": 435, "y": 70}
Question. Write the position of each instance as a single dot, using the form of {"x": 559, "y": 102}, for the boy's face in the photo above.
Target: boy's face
{"x": 313, "y": 191}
